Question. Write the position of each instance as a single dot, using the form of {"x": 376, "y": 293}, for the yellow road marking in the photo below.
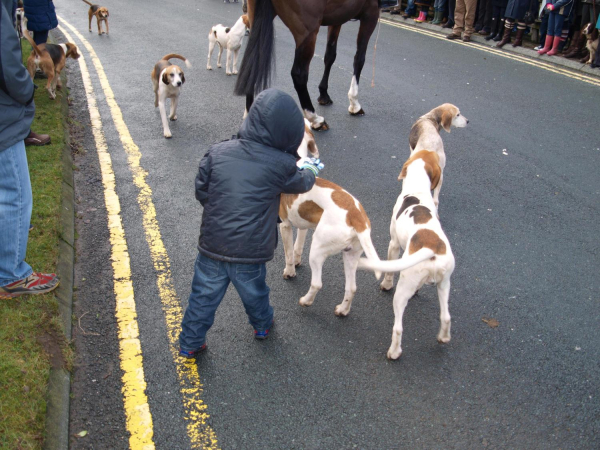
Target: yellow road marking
{"x": 524, "y": 59}
{"x": 199, "y": 431}
{"x": 137, "y": 411}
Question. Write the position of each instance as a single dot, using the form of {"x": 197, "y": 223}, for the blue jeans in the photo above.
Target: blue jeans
{"x": 15, "y": 213}
{"x": 440, "y": 5}
{"x": 410, "y": 8}
{"x": 555, "y": 24}
{"x": 211, "y": 279}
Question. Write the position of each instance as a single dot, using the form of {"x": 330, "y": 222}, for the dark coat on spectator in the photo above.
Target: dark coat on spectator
{"x": 562, "y": 7}
{"x": 40, "y": 15}
{"x": 516, "y": 9}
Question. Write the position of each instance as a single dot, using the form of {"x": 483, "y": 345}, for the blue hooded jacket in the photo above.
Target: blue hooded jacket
{"x": 40, "y": 15}
{"x": 240, "y": 181}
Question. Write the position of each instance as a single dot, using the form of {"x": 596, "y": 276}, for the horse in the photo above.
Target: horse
{"x": 304, "y": 18}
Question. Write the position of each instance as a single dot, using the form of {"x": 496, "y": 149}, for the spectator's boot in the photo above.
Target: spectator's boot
{"x": 547, "y": 45}
{"x": 519, "y": 37}
{"x": 493, "y": 28}
{"x": 498, "y": 36}
{"x": 577, "y": 43}
{"x": 422, "y": 17}
{"x": 586, "y": 56}
{"x": 555, "y": 44}
{"x": 508, "y": 26}
{"x": 437, "y": 18}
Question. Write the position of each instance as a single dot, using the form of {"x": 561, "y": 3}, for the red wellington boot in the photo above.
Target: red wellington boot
{"x": 555, "y": 44}
{"x": 422, "y": 17}
{"x": 547, "y": 45}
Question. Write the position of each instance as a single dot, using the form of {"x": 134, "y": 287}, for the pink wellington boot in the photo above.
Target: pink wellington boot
{"x": 555, "y": 43}
{"x": 422, "y": 17}
{"x": 547, "y": 45}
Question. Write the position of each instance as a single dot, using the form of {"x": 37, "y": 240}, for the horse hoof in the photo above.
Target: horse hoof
{"x": 322, "y": 127}
{"x": 325, "y": 101}
{"x": 361, "y": 112}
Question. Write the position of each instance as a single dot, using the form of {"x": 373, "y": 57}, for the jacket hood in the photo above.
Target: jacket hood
{"x": 274, "y": 120}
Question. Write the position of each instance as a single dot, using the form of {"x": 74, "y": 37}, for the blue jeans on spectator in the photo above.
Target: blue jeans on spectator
{"x": 440, "y": 5}
{"x": 40, "y": 37}
{"x": 211, "y": 279}
{"x": 555, "y": 24}
{"x": 411, "y": 9}
{"x": 16, "y": 203}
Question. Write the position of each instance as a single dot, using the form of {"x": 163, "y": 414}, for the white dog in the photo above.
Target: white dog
{"x": 167, "y": 80}
{"x": 427, "y": 257}
{"x": 425, "y": 135}
{"x": 229, "y": 38}
{"x": 340, "y": 223}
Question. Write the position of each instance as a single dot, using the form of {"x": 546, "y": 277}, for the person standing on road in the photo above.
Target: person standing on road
{"x": 16, "y": 103}
{"x": 464, "y": 18}
{"x": 239, "y": 184}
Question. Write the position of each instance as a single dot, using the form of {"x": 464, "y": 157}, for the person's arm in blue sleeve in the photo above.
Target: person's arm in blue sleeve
{"x": 301, "y": 181}
{"x": 203, "y": 178}
{"x": 14, "y": 78}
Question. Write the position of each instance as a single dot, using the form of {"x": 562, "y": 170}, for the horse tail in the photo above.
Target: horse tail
{"x": 257, "y": 66}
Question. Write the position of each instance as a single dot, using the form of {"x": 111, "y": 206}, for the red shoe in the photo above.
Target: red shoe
{"x": 36, "y": 283}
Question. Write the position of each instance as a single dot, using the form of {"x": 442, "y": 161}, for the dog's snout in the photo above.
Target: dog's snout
{"x": 467, "y": 120}
{"x": 179, "y": 83}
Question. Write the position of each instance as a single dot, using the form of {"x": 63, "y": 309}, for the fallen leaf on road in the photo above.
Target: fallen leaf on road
{"x": 82, "y": 433}
{"x": 492, "y": 323}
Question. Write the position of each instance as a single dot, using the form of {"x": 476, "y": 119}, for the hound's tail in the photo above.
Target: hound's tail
{"x": 257, "y": 66}
{"x": 35, "y": 48}
{"x": 176, "y": 56}
{"x": 396, "y": 265}
{"x": 367, "y": 245}
{"x": 85, "y": 1}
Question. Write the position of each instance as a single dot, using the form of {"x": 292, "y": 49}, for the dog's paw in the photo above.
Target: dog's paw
{"x": 342, "y": 310}
{"x": 228, "y": 73}
{"x": 208, "y": 67}
{"x": 219, "y": 66}
{"x": 168, "y": 134}
{"x": 306, "y": 301}
{"x": 287, "y": 274}
{"x": 173, "y": 118}
{"x": 235, "y": 72}
{"x": 394, "y": 353}
{"x": 297, "y": 260}
{"x": 52, "y": 95}
{"x": 386, "y": 285}
{"x": 443, "y": 340}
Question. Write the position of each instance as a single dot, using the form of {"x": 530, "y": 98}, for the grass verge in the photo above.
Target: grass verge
{"x": 31, "y": 337}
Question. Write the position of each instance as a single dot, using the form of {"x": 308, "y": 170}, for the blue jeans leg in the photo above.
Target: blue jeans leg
{"x": 16, "y": 203}
{"x": 250, "y": 282}
{"x": 410, "y": 8}
{"x": 208, "y": 289}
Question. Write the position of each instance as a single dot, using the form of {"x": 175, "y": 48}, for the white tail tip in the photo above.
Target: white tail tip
{"x": 188, "y": 64}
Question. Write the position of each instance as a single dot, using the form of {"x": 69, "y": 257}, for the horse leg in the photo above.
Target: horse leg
{"x": 302, "y": 59}
{"x": 330, "y": 53}
{"x": 367, "y": 25}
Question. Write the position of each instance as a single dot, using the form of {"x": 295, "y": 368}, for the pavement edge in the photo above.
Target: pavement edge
{"x": 59, "y": 380}
{"x": 523, "y": 51}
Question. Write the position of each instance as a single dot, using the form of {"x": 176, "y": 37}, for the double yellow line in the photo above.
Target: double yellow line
{"x": 523, "y": 59}
{"x": 137, "y": 411}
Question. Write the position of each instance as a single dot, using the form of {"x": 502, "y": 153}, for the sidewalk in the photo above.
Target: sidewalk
{"x": 558, "y": 61}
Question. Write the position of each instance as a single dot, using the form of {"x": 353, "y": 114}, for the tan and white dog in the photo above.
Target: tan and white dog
{"x": 591, "y": 33}
{"x": 167, "y": 80}
{"x": 101, "y": 14}
{"x": 229, "y": 38}
{"x": 425, "y": 135}
{"x": 50, "y": 59}
{"x": 340, "y": 223}
{"x": 427, "y": 257}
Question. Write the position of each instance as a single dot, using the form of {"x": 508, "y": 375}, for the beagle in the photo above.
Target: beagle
{"x": 167, "y": 80}
{"x": 591, "y": 33}
{"x": 427, "y": 257}
{"x": 101, "y": 14}
{"x": 50, "y": 59}
{"x": 425, "y": 134}
{"x": 341, "y": 226}
{"x": 229, "y": 38}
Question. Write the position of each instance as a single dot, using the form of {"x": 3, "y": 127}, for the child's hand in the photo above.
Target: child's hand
{"x": 550, "y": 7}
{"x": 313, "y": 164}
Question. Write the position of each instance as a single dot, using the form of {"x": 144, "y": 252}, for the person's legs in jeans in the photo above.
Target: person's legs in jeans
{"x": 208, "y": 289}
{"x": 15, "y": 213}
{"x": 40, "y": 37}
{"x": 250, "y": 282}
{"x": 410, "y": 8}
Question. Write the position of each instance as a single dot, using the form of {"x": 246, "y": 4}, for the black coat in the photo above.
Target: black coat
{"x": 516, "y": 9}
{"x": 240, "y": 181}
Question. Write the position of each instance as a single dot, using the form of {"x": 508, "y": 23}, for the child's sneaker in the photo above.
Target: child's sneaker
{"x": 36, "y": 283}
{"x": 193, "y": 353}
{"x": 263, "y": 334}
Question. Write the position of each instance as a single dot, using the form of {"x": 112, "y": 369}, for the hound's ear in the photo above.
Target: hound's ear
{"x": 107, "y": 13}
{"x": 246, "y": 21}
{"x": 446, "y": 120}
{"x": 72, "y": 52}
{"x": 402, "y": 175}
{"x": 165, "y": 78}
{"x": 434, "y": 172}
{"x": 182, "y": 78}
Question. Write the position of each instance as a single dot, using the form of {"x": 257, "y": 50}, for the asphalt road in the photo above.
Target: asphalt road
{"x": 519, "y": 205}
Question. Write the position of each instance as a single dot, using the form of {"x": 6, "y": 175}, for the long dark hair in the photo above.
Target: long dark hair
{"x": 257, "y": 66}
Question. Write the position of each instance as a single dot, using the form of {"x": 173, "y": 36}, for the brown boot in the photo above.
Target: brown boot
{"x": 37, "y": 139}
{"x": 519, "y": 37}
{"x": 508, "y": 26}
{"x": 585, "y": 53}
{"x": 577, "y": 43}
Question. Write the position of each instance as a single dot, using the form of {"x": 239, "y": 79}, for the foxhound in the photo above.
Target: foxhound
{"x": 427, "y": 257}
{"x": 425, "y": 135}
{"x": 229, "y": 38}
{"x": 101, "y": 14}
{"x": 340, "y": 223}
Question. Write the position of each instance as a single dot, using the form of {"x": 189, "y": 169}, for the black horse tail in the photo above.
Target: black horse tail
{"x": 257, "y": 66}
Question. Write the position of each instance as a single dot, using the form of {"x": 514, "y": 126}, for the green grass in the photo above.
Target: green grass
{"x": 27, "y": 323}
